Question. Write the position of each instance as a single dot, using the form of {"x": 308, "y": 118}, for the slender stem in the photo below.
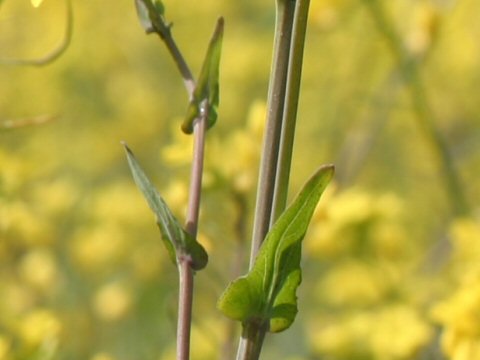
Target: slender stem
{"x": 163, "y": 30}
{"x": 185, "y": 271}
{"x": 182, "y": 66}
{"x": 276, "y": 95}
{"x": 424, "y": 114}
{"x": 186, "y": 281}
{"x": 199, "y": 132}
{"x": 185, "y": 301}
{"x": 290, "y": 110}
{"x": 278, "y": 143}
{"x": 251, "y": 341}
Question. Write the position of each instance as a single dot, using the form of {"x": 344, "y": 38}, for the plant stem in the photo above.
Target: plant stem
{"x": 185, "y": 272}
{"x": 252, "y": 336}
{"x": 186, "y": 281}
{"x": 199, "y": 132}
{"x": 251, "y": 341}
{"x": 182, "y": 66}
{"x": 185, "y": 300}
{"x": 290, "y": 109}
{"x": 275, "y": 165}
{"x": 276, "y": 95}
{"x": 424, "y": 114}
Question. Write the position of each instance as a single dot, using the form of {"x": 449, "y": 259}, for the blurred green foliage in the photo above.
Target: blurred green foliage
{"x": 389, "y": 273}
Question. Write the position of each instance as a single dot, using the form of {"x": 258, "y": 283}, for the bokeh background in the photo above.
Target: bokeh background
{"x": 392, "y": 258}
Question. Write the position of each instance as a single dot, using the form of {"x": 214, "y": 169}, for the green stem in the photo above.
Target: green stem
{"x": 424, "y": 114}
{"x": 162, "y": 29}
{"x": 278, "y": 143}
{"x": 290, "y": 109}
{"x": 251, "y": 341}
{"x": 276, "y": 96}
{"x": 182, "y": 66}
{"x": 186, "y": 279}
{"x": 185, "y": 272}
{"x": 185, "y": 300}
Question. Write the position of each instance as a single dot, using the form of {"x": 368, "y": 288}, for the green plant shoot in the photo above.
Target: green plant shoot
{"x": 207, "y": 88}
{"x": 179, "y": 243}
{"x": 150, "y": 13}
{"x": 268, "y": 292}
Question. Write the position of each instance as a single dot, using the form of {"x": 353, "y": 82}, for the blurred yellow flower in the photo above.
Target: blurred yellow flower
{"x": 426, "y": 20}
{"x": 236, "y": 157}
{"x": 55, "y": 197}
{"x": 465, "y": 237}
{"x": 351, "y": 207}
{"x": 256, "y": 119}
{"x": 17, "y": 298}
{"x": 26, "y": 225}
{"x": 102, "y": 356}
{"x": 176, "y": 196}
{"x": 38, "y": 268}
{"x": 179, "y": 151}
{"x": 395, "y": 332}
{"x": 459, "y": 314}
{"x": 353, "y": 283}
{"x": 112, "y": 301}
{"x": 148, "y": 259}
{"x": 354, "y": 219}
{"x": 40, "y": 326}
{"x": 458, "y": 346}
{"x": 5, "y": 345}
{"x": 97, "y": 247}
{"x": 461, "y": 311}
{"x": 399, "y": 332}
{"x": 120, "y": 202}
{"x": 13, "y": 171}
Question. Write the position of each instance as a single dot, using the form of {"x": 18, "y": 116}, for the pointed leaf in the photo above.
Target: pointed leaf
{"x": 206, "y": 94}
{"x": 150, "y": 13}
{"x": 268, "y": 291}
{"x": 143, "y": 15}
{"x": 179, "y": 243}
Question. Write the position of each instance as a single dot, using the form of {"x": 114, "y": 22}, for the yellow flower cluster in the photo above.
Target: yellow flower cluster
{"x": 367, "y": 309}
{"x": 459, "y": 312}
{"x": 389, "y": 333}
{"x": 357, "y": 221}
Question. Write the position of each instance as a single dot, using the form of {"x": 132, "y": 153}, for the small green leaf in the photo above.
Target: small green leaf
{"x": 150, "y": 13}
{"x": 206, "y": 94}
{"x": 179, "y": 243}
{"x": 143, "y": 16}
{"x": 268, "y": 292}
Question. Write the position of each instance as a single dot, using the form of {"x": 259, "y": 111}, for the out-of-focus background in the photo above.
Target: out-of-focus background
{"x": 392, "y": 258}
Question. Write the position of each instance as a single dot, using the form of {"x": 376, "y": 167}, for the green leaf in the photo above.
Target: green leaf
{"x": 150, "y": 13}
{"x": 206, "y": 94}
{"x": 179, "y": 243}
{"x": 268, "y": 292}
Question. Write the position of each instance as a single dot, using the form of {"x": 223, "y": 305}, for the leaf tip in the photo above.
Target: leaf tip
{"x": 126, "y": 148}
{"x": 327, "y": 168}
